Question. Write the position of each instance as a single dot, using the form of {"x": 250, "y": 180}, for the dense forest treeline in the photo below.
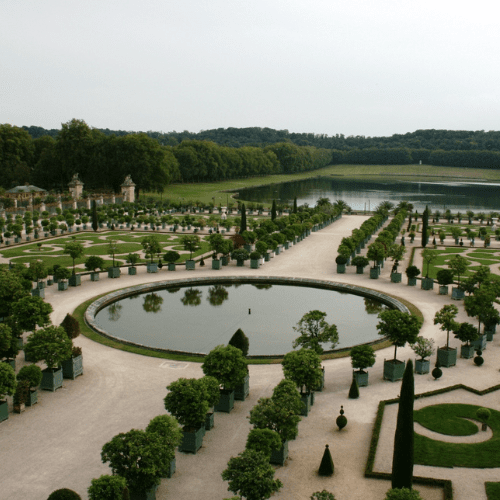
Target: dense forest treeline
{"x": 447, "y": 140}
{"x": 103, "y": 158}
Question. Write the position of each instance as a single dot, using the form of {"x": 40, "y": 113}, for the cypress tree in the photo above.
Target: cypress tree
{"x": 243, "y": 226}
{"x": 273, "y": 211}
{"x": 71, "y": 326}
{"x": 425, "y": 225}
{"x": 295, "y": 205}
{"x": 240, "y": 340}
{"x": 94, "y": 216}
{"x": 402, "y": 460}
{"x": 326, "y": 467}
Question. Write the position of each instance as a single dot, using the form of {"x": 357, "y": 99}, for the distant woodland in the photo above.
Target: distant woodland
{"x": 103, "y": 157}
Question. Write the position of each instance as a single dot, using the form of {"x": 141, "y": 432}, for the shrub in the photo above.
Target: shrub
{"x": 93, "y": 262}
{"x": 341, "y": 419}
{"x": 412, "y": 271}
{"x": 341, "y": 259}
{"x": 7, "y": 380}
{"x": 64, "y": 494}
{"x": 71, "y": 326}
{"x": 354, "y": 390}
{"x": 108, "y": 488}
{"x": 254, "y": 255}
{"x": 240, "y": 341}
{"x": 423, "y": 347}
{"x": 264, "y": 440}
{"x": 402, "y": 494}
{"x": 360, "y": 261}
{"x": 483, "y": 414}
{"x": 32, "y": 374}
{"x": 444, "y": 277}
{"x": 21, "y": 394}
{"x": 326, "y": 467}
{"x": 322, "y": 495}
{"x": 171, "y": 256}
{"x": 227, "y": 365}
{"x": 362, "y": 356}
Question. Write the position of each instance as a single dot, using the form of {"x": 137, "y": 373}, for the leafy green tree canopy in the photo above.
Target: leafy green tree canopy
{"x": 314, "y": 331}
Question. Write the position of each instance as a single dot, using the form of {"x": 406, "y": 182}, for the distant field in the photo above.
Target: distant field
{"x": 208, "y": 192}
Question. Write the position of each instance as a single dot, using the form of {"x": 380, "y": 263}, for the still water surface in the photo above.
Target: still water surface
{"x": 196, "y": 319}
{"x": 367, "y": 194}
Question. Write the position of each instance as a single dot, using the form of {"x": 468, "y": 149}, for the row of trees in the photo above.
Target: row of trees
{"x": 263, "y": 136}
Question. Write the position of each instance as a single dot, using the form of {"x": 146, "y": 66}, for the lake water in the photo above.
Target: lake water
{"x": 196, "y": 319}
{"x": 367, "y": 194}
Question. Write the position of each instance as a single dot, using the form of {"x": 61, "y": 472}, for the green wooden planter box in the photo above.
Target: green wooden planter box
{"x": 467, "y": 351}
{"x": 254, "y": 263}
{"x": 480, "y": 343}
{"x": 443, "y": 289}
{"x": 152, "y": 267}
{"x": 240, "y": 263}
{"x": 114, "y": 272}
{"x": 360, "y": 269}
{"x": 427, "y": 284}
{"x": 242, "y": 391}
{"x": 41, "y": 284}
{"x": 412, "y": 281}
{"x": 73, "y": 367}
{"x": 50, "y": 282}
{"x": 75, "y": 280}
{"x": 171, "y": 266}
{"x": 32, "y": 398}
{"x": 393, "y": 369}
{"x": 267, "y": 257}
{"x": 209, "y": 421}
{"x": 216, "y": 264}
{"x": 321, "y": 385}
{"x": 457, "y": 294}
{"x": 132, "y": 271}
{"x": 361, "y": 377}
{"x": 447, "y": 357}
{"x": 396, "y": 277}
{"x": 190, "y": 265}
{"x": 278, "y": 457}
{"x": 144, "y": 495}
{"x": 4, "y": 411}
{"x": 224, "y": 260}
{"x": 422, "y": 366}
{"x": 11, "y": 362}
{"x": 340, "y": 268}
{"x": 226, "y": 403}
{"x": 192, "y": 441}
{"x": 374, "y": 272}
{"x": 62, "y": 285}
{"x": 38, "y": 292}
{"x": 52, "y": 379}
{"x": 489, "y": 331}
{"x": 94, "y": 276}
{"x": 306, "y": 407}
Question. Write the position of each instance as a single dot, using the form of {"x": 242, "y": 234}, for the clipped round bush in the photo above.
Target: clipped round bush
{"x": 437, "y": 372}
{"x": 322, "y": 495}
{"x": 341, "y": 259}
{"x": 254, "y": 255}
{"x": 8, "y": 381}
{"x": 108, "y": 488}
{"x": 483, "y": 414}
{"x": 479, "y": 360}
{"x": 64, "y": 494}
{"x": 32, "y": 374}
{"x": 341, "y": 419}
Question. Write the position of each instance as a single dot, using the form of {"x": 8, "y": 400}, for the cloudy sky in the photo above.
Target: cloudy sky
{"x": 353, "y": 67}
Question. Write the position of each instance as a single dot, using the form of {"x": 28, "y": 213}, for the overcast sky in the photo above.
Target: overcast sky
{"x": 353, "y": 67}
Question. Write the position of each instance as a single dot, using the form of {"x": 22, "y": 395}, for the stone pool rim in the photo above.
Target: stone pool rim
{"x": 109, "y": 298}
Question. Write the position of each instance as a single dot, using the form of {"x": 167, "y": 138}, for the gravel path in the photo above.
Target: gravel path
{"x": 58, "y": 442}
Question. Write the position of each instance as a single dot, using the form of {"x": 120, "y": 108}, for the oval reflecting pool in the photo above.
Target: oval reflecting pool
{"x": 197, "y": 317}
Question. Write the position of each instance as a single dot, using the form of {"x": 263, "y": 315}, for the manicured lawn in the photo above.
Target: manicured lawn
{"x": 492, "y": 491}
{"x": 441, "y": 454}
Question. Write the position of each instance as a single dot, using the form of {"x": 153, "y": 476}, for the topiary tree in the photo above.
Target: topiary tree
{"x": 108, "y": 488}
{"x": 465, "y": 332}
{"x": 240, "y": 255}
{"x": 8, "y": 381}
{"x": 227, "y": 364}
{"x": 483, "y": 414}
{"x": 423, "y": 347}
{"x": 354, "y": 389}
{"x": 412, "y": 271}
{"x": 212, "y": 390}
{"x": 362, "y": 357}
{"x": 168, "y": 429}
{"x": 64, "y": 494}
{"x": 458, "y": 266}
{"x": 32, "y": 374}
{"x": 314, "y": 331}
{"x": 303, "y": 367}
{"x": 28, "y": 313}
{"x": 240, "y": 341}
{"x": 263, "y": 440}
{"x": 250, "y": 475}
{"x": 133, "y": 259}
{"x": 50, "y": 344}
{"x": 398, "y": 327}
{"x": 94, "y": 262}
{"x": 322, "y": 495}
{"x": 191, "y": 243}
{"x": 140, "y": 457}
{"x": 326, "y": 467}
{"x": 446, "y": 318}
{"x": 151, "y": 246}
{"x": 171, "y": 256}
{"x": 75, "y": 250}
{"x": 341, "y": 419}
{"x": 376, "y": 252}
{"x": 402, "y": 460}
{"x": 429, "y": 256}
{"x": 444, "y": 277}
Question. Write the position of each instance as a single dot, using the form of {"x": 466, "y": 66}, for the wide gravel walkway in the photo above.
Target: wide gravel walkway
{"x": 58, "y": 442}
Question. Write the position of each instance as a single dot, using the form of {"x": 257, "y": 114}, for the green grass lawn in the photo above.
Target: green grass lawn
{"x": 492, "y": 490}
{"x": 448, "y": 419}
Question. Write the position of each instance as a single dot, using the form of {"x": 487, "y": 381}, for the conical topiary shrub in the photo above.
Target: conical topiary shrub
{"x": 341, "y": 419}
{"x": 71, "y": 326}
{"x": 326, "y": 468}
{"x": 240, "y": 340}
{"x": 354, "y": 390}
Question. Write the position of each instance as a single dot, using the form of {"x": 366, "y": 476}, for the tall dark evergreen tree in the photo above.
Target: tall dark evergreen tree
{"x": 425, "y": 225}
{"x": 240, "y": 340}
{"x": 273, "y": 211}
{"x": 402, "y": 460}
{"x": 95, "y": 224}
{"x": 243, "y": 226}
{"x": 295, "y": 205}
